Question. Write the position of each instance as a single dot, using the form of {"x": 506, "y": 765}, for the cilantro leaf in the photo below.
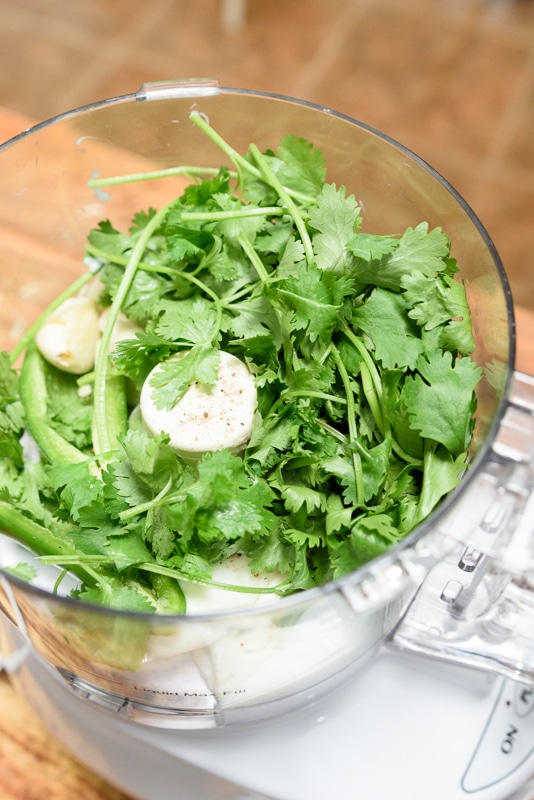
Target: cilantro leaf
{"x": 199, "y": 195}
{"x": 219, "y": 262}
{"x": 335, "y": 218}
{"x": 189, "y": 323}
{"x": 440, "y": 399}
{"x": 79, "y": 487}
{"x": 384, "y": 319}
{"x": 275, "y": 236}
{"x": 232, "y": 228}
{"x": 174, "y": 376}
{"x": 292, "y": 259}
{"x": 106, "y": 237}
{"x": 371, "y": 246}
{"x": 184, "y": 242}
{"x": 124, "y": 597}
{"x": 442, "y": 475}
{"x": 26, "y": 572}
{"x": 143, "y": 298}
{"x": 302, "y": 166}
{"x": 295, "y": 497}
{"x": 251, "y": 318}
{"x": 316, "y": 296}
{"x": 418, "y": 249}
{"x": 135, "y": 358}
{"x": 369, "y": 538}
{"x": 437, "y": 302}
{"x": 8, "y": 379}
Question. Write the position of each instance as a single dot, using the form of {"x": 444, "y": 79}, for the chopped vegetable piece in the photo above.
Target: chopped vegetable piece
{"x": 215, "y": 411}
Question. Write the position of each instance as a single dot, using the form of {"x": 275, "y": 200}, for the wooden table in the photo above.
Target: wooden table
{"x": 32, "y": 765}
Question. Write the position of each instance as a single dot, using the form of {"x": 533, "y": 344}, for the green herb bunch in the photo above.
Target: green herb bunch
{"x": 360, "y": 349}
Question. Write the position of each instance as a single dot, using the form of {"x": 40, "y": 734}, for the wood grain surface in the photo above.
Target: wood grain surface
{"x": 33, "y": 766}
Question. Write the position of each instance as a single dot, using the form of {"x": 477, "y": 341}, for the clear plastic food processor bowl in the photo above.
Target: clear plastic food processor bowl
{"x": 459, "y": 587}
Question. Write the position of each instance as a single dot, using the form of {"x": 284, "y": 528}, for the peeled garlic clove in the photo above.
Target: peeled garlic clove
{"x": 206, "y": 418}
{"x": 69, "y": 336}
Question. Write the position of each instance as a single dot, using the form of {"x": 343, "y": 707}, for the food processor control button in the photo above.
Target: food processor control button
{"x": 506, "y": 746}
{"x": 523, "y": 700}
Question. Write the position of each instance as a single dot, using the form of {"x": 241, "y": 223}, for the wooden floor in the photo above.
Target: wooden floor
{"x": 451, "y": 79}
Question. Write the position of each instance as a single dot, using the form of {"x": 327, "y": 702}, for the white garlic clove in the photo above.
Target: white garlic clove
{"x": 206, "y": 418}
{"x": 68, "y": 338}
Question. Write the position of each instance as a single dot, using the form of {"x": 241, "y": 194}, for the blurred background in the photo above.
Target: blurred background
{"x": 451, "y": 79}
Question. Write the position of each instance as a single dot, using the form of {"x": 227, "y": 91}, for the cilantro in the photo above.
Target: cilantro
{"x": 198, "y": 365}
{"x": 316, "y": 296}
{"x": 417, "y": 249}
{"x": 384, "y": 319}
{"x": 302, "y": 165}
{"x": 440, "y": 302}
{"x": 440, "y": 399}
{"x": 190, "y": 322}
{"x": 335, "y": 218}
{"x": 359, "y": 344}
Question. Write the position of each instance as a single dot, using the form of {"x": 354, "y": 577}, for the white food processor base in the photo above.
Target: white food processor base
{"x": 404, "y": 728}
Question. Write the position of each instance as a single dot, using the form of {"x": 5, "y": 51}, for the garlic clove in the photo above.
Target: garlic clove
{"x": 68, "y": 338}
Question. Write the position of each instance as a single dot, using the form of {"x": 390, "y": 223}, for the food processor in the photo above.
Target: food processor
{"x": 412, "y": 677}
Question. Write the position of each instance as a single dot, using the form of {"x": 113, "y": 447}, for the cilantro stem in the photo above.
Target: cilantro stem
{"x": 236, "y": 158}
{"x": 183, "y": 576}
{"x": 57, "y": 584}
{"x": 31, "y": 332}
{"x": 351, "y": 406}
{"x": 351, "y": 422}
{"x": 371, "y": 397}
{"x": 318, "y": 395}
{"x": 80, "y": 558}
{"x": 149, "y": 504}
{"x": 241, "y": 213}
{"x": 104, "y": 435}
{"x": 332, "y": 431}
{"x": 271, "y": 178}
{"x": 117, "y": 180}
{"x": 253, "y": 257}
{"x": 371, "y": 378}
{"x": 424, "y": 505}
{"x": 283, "y": 319}
{"x": 237, "y": 295}
{"x": 371, "y": 366}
